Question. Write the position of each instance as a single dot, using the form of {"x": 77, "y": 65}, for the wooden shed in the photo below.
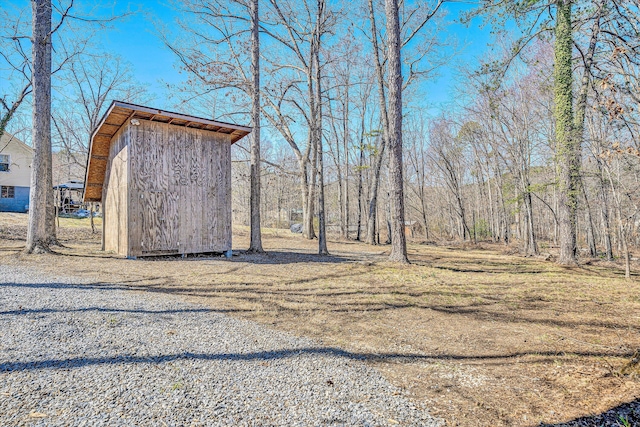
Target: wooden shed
{"x": 164, "y": 180}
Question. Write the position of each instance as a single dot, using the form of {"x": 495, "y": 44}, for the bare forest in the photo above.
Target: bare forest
{"x": 489, "y": 167}
{"x": 537, "y": 149}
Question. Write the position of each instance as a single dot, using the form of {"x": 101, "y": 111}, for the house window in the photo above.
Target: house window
{"x": 7, "y": 192}
{"x": 5, "y": 161}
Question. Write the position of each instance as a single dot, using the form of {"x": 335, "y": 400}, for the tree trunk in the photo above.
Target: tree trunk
{"x": 41, "y": 227}
{"x": 93, "y": 224}
{"x": 309, "y": 231}
{"x": 309, "y": 228}
{"x": 340, "y": 183}
{"x": 531, "y": 236}
{"x": 373, "y": 202}
{"x": 581, "y": 113}
{"x": 492, "y": 220}
{"x": 388, "y": 220}
{"x": 255, "y": 244}
{"x": 473, "y": 222}
{"x": 398, "y": 238}
{"x": 322, "y": 229}
{"x": 504, "y": 221}
{"x": 606, "y": 223}
{"x": 623, "y": 232}
{"x": 307, "y": 200}
{"x": 345, "y": 233}
{"x": 360, "y": 167}
{"x": 567, "y": 152}
{"x": 423, "y": 209}
{"x": 372, "y": 220}
{"x": 466, "y": 231}
{"x": 591, "y": 234}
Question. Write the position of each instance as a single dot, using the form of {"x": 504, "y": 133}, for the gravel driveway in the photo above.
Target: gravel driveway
{"x": 94, "y": 354}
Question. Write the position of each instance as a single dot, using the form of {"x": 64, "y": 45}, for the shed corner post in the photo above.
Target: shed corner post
{"x": 103, "y": 225}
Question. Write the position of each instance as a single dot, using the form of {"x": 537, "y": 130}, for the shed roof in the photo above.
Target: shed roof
{"x": 117, "y": 115}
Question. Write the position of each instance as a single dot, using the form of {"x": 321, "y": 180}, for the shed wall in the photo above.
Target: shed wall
{"x": 179, "y": 190}
{"x": 115, "y": 195}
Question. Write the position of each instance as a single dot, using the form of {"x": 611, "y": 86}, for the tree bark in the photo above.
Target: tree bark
{"x": 41, "y": 227}
{"x": 567, "y": 152}
{"x": 322, "y": 229}
{"x": 255, "y": 244}
{"x": 307, "y": 200}
{"x": 388, "y": 220}
{"x": 312, "y": 147}
{"x": 398, "y": 238}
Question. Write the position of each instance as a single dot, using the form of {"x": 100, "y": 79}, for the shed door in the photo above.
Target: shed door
{"x": 159, "y": 222}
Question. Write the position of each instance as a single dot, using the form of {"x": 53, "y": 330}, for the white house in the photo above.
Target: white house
{"x": 15, "y": 174}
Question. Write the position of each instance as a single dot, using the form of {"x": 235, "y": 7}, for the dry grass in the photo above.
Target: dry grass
{"x": 482, "y": 337}
{"x": 13, "y": 231}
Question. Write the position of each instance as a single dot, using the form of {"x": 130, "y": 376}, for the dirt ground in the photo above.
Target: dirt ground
{"x": 482, "y": 337}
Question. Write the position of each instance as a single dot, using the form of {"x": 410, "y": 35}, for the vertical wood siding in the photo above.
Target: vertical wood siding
{"x": 179, "y": 190}
{"x": 115, "y": 195}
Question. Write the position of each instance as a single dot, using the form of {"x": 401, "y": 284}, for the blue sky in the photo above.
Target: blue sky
{"x": 135, "y": 39}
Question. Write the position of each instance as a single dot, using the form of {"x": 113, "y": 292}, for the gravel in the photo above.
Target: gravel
{"x": 83, "y": 354}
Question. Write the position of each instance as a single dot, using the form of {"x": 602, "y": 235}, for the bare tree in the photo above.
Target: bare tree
{"x": 449, "y": 157}
{"x": 255, "y": 244}
{"x": 40, "y": 231}
{"x": 88, "y": 86}
{"x": 316, "y": 44}
{"x": 418, "y": 172}
{"x": 16, "y": 59}
{"x": 215, "y": 27}
{"x": 384, "y": 119}
{"x": 398, "y": 238}
{"x": 411, "y": 22}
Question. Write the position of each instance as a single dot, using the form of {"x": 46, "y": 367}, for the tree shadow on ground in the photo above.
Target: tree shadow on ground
{"x": 283, "y": 257}
{"x": 270, "y": 257}
{"x": 29, "y": 311}
{"x": 267, "y": 355}
{"x": 324, "y": 300}
{"x": 627, "y": 414}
